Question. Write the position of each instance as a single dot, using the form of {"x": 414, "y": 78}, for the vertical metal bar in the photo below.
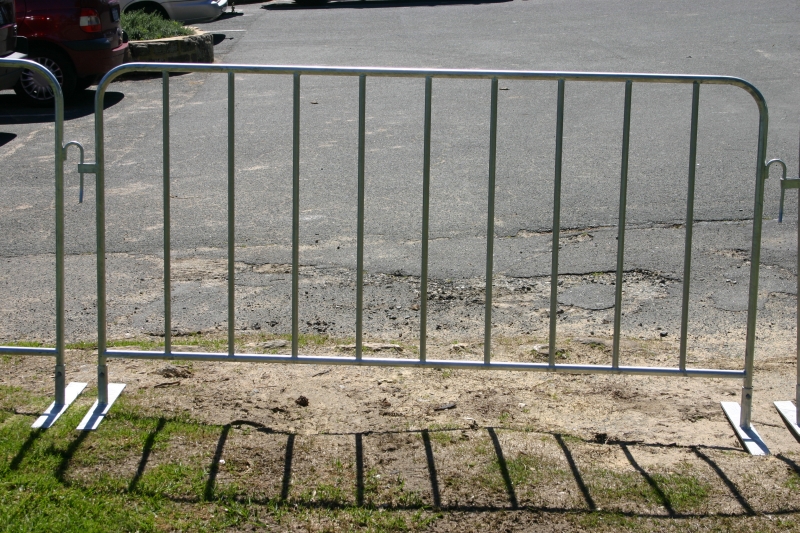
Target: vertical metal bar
{"x": 296, "y": 215}
{"x": 487, "y": 328}
{"x": 556, "y": 223}
{"x": 755, "y": 263}
{"x": 797, "y": 312}
{"x": 426, "y": 202}
{"x": 231, "y": 217}
{"x": 687, "y": 250}
{"x": 60, "y": 377}
{"x": 167, "y": 210}
{"x": 362, "y": 125}
{"x": 623, "y": 201}
{"x": 100, "y": 209}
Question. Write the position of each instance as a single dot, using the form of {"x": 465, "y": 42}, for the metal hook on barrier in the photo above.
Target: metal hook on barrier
{"x": 786, "y": 183}
{"x": 80, "y": 148}
{"x": 789, "y": 412}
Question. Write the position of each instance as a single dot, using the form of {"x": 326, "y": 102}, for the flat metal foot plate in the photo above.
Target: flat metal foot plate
{"x": 98, "y": 411}
{"x": 749, "y": 437}
{"x": 788, "y": 412}
{"x": 48, "y": 418}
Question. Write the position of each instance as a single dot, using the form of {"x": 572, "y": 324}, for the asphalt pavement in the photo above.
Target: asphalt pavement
{"x": 757, "y": 42}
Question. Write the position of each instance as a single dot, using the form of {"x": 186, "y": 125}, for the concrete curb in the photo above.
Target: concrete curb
{"x": 197, "y": 48}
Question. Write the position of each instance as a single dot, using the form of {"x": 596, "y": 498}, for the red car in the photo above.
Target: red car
{"x": 77, "y": 40}
{"x": 11, "y": 46}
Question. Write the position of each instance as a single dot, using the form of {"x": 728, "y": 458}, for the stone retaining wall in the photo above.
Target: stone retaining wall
{"x": 198, "y": 48}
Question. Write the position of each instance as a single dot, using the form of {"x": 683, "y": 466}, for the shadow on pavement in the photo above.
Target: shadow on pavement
{"x": 12, "y": 111}
{"x": 373, "y": 4}
{"x": 6, "y": 138}
{"x": 229, "y": 15}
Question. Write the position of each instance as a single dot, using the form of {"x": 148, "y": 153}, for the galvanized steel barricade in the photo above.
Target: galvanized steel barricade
{"x": 64, "y": 394}
{"x": 740, "y": 416}
{"x": 790, "y": 413}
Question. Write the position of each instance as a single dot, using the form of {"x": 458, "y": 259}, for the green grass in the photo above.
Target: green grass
{"x": 524, "y": 471}
{"x": 678, "y": 491}
{"x": 146, "y": 26}
{"x": 24, "y": 344}
{"x": 386, "y": 503}
{"x": 793, "y": 481}
{"x": 54, "y": 480}
{"x": 305, "y": 340}
{"x": 207, "y": 342}
{"x": 683, "y": 491}
{"x": 147, "y": 474}
{"x": 444, "y": 434}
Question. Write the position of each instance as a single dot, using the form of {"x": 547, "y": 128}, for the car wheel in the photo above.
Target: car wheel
{"x": 34, "y": 89}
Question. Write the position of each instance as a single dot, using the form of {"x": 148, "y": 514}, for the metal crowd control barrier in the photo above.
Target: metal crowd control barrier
{"x": 64, "y": 394}
{"x": 739, "y": 416}
{"x": 788, "y": 411}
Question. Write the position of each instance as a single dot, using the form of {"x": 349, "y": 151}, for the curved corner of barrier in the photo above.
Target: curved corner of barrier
{"x": 756, "y": 94}
{"x": 106, "y": 80}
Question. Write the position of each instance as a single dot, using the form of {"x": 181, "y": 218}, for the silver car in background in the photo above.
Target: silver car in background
{"x": 188, "y": 11}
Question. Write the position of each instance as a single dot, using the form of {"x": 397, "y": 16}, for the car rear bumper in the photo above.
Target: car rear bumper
{"x": 91, "y": 62}
{"x": 192, "y": 11}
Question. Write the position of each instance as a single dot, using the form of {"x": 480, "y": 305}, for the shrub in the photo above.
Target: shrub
{"x": 142, "y": 26}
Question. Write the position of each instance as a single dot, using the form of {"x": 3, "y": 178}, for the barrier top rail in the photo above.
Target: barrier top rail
{"x": 435, "y": 73}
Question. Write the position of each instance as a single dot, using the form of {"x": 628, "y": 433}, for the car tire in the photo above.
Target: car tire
{"x": 33, "y": 89}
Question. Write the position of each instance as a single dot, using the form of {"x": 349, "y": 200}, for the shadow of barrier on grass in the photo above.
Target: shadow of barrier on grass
{"x": 213, "y": 469}
{"x": 583, "y": 481}
{"x": 734, "y": 490}
{"x": 501, "y": 461}
{"x": 587, "y": 496}
{"x": 426, "y": 438}
{"x": 13, "y": 112}
{"x": 662, "y": 497}
{"x": 146, "y": 451}
{"x": 659, "y": 493}
{"x": 68, "y": 455}
{"x": 25, "y": 448}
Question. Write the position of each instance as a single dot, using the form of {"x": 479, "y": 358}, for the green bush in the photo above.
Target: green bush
{"x": 143, "y": 26}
